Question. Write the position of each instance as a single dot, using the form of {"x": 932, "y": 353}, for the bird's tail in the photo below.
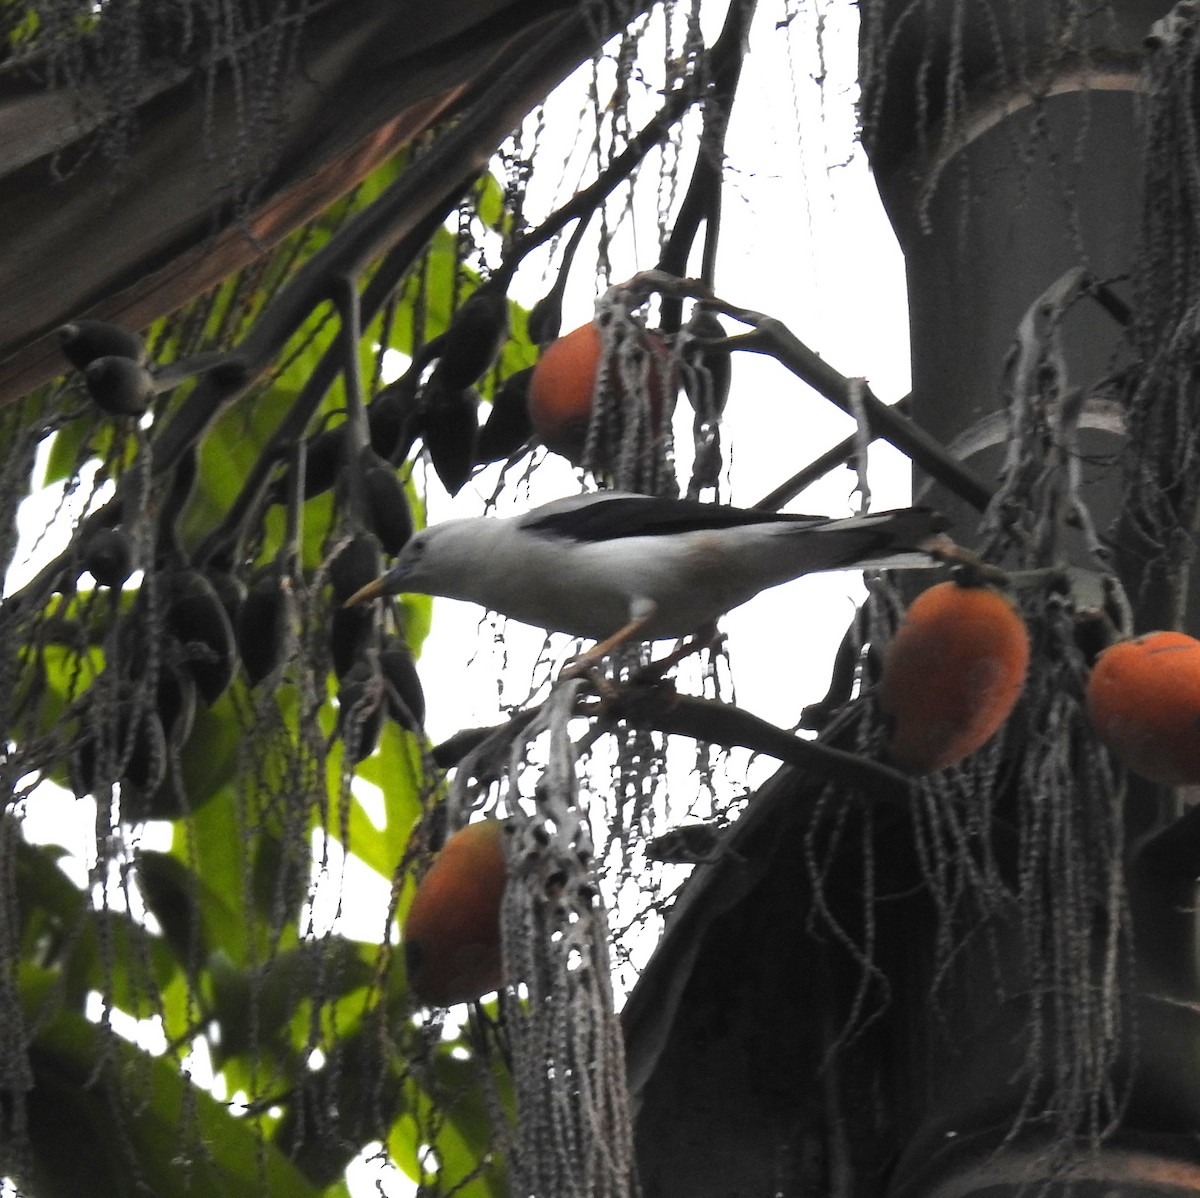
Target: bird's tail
{"x": 901, "y": 538}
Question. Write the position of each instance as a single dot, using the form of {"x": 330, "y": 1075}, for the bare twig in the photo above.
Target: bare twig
{"x": 772, "y": 337}
{"x": 724, "y": 57}
{"x": 837, "y": 455}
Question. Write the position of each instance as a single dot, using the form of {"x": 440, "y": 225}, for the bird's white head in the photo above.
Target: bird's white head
{"x": 439, "y": 560}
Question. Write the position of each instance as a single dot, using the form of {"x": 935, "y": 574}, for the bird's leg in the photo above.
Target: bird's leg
{"x": 703, "y": 638}
{"x": 641, "y": 613}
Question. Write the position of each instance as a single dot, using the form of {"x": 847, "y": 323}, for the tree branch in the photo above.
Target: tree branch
{"x": 702, "y": 201}
{"x": 772, "y": 337}
{"x": 660, "y": 708}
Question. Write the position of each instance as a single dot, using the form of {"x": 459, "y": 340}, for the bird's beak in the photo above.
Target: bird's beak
{"x": 380, "y": 586}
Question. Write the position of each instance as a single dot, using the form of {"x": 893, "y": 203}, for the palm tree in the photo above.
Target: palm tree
{"x": 874, "y": 981}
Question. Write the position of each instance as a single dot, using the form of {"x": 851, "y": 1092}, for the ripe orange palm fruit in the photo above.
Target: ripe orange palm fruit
{"x": 953, "y": 673}
{"x": 562, "y": 384}
{"x": 1143, "y": 698}
{"x": 452, "y": 933}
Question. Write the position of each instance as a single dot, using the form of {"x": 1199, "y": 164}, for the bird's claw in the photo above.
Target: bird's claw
{"x": 583, "y": 665}
{"x": 708, "y": 638}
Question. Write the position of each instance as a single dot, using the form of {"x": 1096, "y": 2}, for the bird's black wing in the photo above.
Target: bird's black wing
{"x": 609, "y": 517}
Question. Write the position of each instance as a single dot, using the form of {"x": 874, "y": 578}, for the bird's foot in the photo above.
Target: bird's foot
{"x": 705, "y": 638}
{"x": 587, "y": 665}
{"x": 579, "y": 666}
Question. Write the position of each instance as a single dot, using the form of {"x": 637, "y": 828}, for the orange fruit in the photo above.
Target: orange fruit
{"x": 564, "y": 380}
{"x": 952, "y": 674}
{"x": 452, "y": 933}
{"x": 1143, "y": 698}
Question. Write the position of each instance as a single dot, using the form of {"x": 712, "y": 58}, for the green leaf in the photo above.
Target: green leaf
{"x": 230, "y": 450}
{"x": 417, "y": 619}
{"x": 63, "y": 458}
{"x": 435, "y": 287}
{"x": 60, "y": 674}
{"x": 41, "y": 989}
{"x": 280, "y": 879}
{"x": 519, "y": 352}
{"x": 209, "y": 760}
{"x": 458, "y": 1125}
{"x": 121, "y": 960}
{"x": 258, "y": 1006}
{"x": 489, "y": 204}
{"x": 43, "y": 889}
{"x": 397, "y": 769}
{"x": 107, "y": 1118}
{"x": 172, "y": 894}
{"x": 24, "y": 30}
{"x": 212, "y": 843}
{"x": 104, "y": 950}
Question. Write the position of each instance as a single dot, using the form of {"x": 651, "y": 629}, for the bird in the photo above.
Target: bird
{"x": 611, "y": 567}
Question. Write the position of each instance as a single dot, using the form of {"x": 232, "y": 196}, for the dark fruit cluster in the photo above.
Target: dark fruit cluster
{"x": 113, "y": 362}
{"x": 183, "y": 642}
{"x": 195, "y": 624}
{"x": 176, "y": 648}
{"x": 437, "y": 404}
{"x": 376, "y": 685}
{"x": 376, "y": 673}
{"x": 134, "y": 737}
